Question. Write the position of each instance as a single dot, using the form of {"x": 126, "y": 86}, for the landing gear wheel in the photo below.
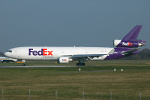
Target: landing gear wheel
{"x": 23, "y": 64}
{"x": 80, "y": 64}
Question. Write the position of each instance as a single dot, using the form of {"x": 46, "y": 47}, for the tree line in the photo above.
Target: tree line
{"x": 144, "y": 54}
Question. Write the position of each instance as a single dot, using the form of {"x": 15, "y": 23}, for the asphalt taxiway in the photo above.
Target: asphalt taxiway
{"x": 32, "y": 66}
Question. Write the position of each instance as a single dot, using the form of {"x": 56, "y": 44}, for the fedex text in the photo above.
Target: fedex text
{"x": 126, "y": 43}
{"x": 42, "y": 52}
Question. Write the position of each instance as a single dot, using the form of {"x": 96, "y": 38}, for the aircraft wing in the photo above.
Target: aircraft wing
{"x": 89, "y": 56}
{"x": 86, "y": 56}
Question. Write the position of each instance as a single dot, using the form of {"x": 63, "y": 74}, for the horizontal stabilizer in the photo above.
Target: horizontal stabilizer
{"x": 130, "y": 51}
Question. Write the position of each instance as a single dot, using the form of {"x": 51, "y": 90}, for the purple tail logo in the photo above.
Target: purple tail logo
{"x": 127, "y": 44}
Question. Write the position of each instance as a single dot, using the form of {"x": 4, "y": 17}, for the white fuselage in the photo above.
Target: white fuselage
{"x": 53, "y": 53}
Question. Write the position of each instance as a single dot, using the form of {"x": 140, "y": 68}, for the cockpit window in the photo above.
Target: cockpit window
{"x": 9, "y": 50}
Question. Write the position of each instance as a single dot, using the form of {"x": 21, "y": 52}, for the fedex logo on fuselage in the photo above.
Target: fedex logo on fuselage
{"x": 64, "y": 59}
{"x": 42, "y": 52}
{"x": 126, "y": 43}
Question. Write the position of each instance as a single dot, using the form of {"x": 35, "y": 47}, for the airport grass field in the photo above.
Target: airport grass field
{"x": 96, "y": 81}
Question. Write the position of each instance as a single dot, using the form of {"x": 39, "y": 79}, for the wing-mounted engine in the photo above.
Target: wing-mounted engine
{"x": 64, "y": 60}
{"x": 129, "y": 44}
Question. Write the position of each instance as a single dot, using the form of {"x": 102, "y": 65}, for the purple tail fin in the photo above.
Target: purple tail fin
{"x": 133, "y": 34}
{"x": 130, "y": 40}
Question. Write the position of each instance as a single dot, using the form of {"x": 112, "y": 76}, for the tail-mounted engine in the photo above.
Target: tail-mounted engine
{"x": 130, "y": 44}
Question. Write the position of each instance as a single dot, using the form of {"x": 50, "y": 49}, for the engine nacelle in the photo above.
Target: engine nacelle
{"x": 130, "y": 44}
{"x": 116, "y": 42}
{"x": 64, "y": 60}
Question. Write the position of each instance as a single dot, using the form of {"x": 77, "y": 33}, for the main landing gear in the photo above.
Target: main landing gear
{"x": 23, "y": 64}
{"x": 81, "y": 63}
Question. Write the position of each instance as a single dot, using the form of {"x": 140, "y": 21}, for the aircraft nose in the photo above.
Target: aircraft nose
{"x": 6, "y": 53}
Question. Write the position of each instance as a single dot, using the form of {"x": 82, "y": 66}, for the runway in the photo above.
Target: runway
{"x": 32, "y": 66}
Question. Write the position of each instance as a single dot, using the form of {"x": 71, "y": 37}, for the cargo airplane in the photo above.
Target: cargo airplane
{"x": 129, "y": 45}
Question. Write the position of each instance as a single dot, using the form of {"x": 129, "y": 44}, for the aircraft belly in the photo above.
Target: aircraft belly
{"x": 99, "y": 58}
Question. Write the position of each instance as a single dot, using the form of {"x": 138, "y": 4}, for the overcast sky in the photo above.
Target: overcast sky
{"x": 71, "y": 22}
